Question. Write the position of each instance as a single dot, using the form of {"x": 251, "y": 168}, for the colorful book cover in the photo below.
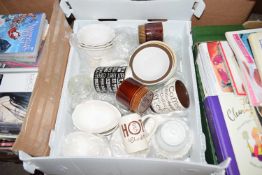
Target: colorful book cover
{"x": 220, "y": 134}
{"x": 245, "y": 133}
{"x": 233, "y": 68}
{"x": 255, "y": 40}
{"x": 250, "y": 74}
{"x": 20, "y": 35}
{"x": 217, "y": 61}
{"x": 213, "y": 64}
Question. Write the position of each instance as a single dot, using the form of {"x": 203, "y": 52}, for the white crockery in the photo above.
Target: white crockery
{"x": 95, "y": 116}
{"x": 173, "y": 139}
{"x": 95, "y": 35}
{"x": 160, "y": 59}
{"x": 85, "y": 144}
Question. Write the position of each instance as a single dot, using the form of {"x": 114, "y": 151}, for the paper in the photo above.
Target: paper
{"x": 42, "y": 111}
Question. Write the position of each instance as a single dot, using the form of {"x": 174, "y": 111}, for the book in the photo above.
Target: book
{"x": 215, "y": 71}
{"x": 210, "y": 154}
{"x": 255, "y": 40}
{"x": 20, "y": 36}
{"x": 251, "y": 78}
{"x": 244, "y": 131}
{"x": 13, "y": 107}
{"x": 233, "y": 68}
{"x": 220, "y": 135}
{"x": 17, "y": 82}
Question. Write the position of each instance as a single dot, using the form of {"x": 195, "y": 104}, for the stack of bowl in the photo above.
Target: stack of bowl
{"x": 96, "y": 39}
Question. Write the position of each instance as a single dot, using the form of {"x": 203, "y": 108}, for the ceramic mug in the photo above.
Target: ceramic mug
{"x": 133, "y": 133}
{"x": 150, "y": 31}
{"x": 133, "y": 95}
{"x": 108, "y": 79}
{"x": 172, "y": 97}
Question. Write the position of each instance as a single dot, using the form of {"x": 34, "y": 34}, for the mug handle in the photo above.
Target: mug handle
{"x": 153, "y": 129}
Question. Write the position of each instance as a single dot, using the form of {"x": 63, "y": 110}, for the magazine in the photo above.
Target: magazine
{"x": 215, "y": 68}
{"x": 251, "y": 78}
{"x": 255, "y": 40}
{"x": 20, "y": 36}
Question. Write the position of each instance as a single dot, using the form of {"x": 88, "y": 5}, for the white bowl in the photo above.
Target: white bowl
{"x": 173, "y": 139}
{"x": 85, "y": 144}
{"x": 95, "y": 116}
{"x": 159, "y": 59}
{"x": 95, "y": 35}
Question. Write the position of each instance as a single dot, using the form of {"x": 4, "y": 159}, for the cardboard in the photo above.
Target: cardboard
{"x": 44, "y": 102}
{"x": 224, "y": 12}
{"x": 27, "y": 6}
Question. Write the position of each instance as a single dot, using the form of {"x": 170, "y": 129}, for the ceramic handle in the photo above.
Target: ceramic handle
{"x": 152, "y": 131}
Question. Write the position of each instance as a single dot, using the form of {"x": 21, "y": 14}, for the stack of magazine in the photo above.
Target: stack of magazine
{"x": 230, "y": 72}
{"x": 21, "y": 41}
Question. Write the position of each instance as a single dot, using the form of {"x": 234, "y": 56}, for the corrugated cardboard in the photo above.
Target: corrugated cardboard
{"x": 42, "y": 110}
{"x": 225, "y": 12}
{"x": 26, "y": 6}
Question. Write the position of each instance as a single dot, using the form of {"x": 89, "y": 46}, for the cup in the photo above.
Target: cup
{"x": 173, "y": 139}
{"x": 134, "y": 96}
{"x": 172, "y": 97}
{"x": 133, "y": 133}
{"x": 108, "y": 79}
{"x": 159, "y": 58}
{"x": 150, "y": 31}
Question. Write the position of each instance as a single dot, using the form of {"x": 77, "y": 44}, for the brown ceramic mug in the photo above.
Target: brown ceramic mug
{"x": 134, "y": 95}
{"x": 150, "y": 32}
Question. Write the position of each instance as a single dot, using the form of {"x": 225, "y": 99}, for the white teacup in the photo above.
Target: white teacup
{"x": 133, "y": 133}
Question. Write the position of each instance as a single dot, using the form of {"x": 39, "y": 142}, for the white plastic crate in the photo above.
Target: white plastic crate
{"x": 130, "y": 14}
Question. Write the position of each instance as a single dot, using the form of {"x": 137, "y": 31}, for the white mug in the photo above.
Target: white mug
{"x": 172, "y": 97}
{"x": 133, "y": 133}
